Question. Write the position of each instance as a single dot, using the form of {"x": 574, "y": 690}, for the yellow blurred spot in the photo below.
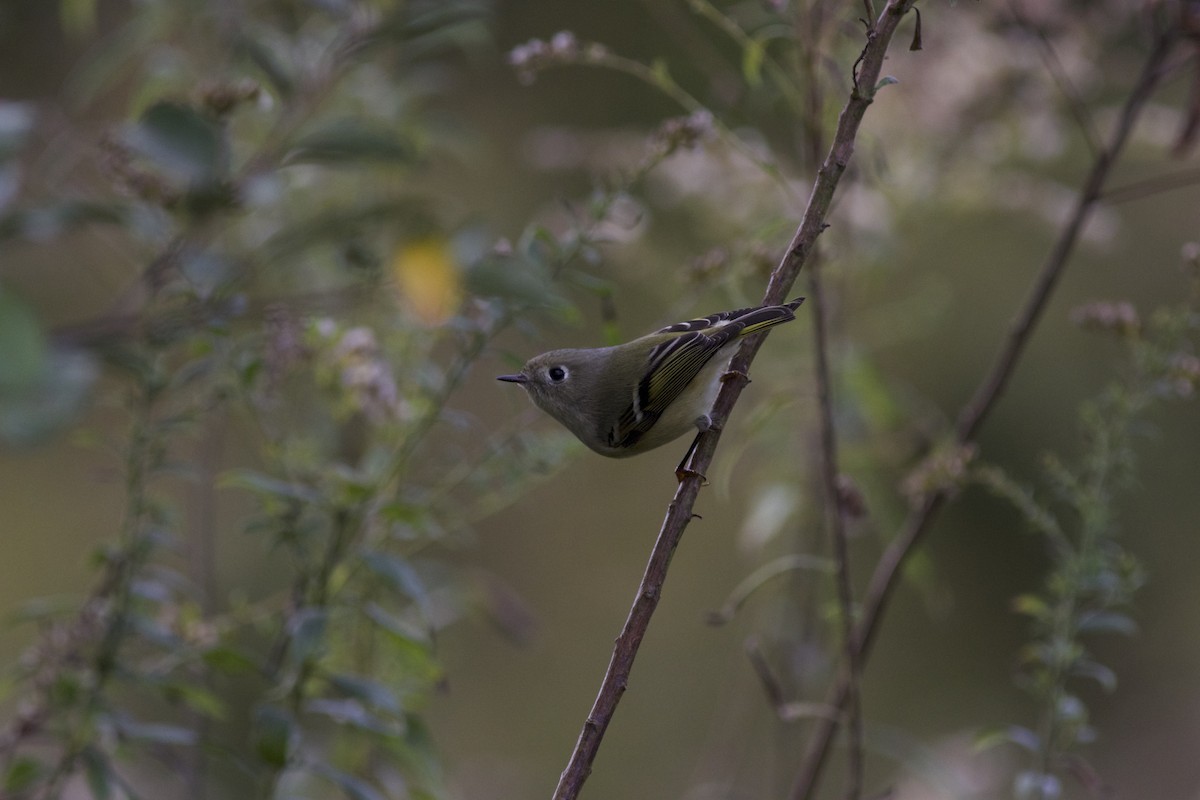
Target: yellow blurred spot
{"x": 429, "y": 280}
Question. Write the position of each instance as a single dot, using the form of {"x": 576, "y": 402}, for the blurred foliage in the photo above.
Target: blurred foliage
{"x": 1092, "y": 583}
{"x": 259, "y": 208}
{"x": 293, "y": 271}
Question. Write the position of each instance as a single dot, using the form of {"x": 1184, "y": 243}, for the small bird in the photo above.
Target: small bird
{"x": 624, "y": 400}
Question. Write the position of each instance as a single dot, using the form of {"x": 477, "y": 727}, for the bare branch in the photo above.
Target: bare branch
{"x": 679, "y": 512}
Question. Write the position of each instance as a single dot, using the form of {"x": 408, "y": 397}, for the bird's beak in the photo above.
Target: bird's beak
{"x": 518, "y": 378}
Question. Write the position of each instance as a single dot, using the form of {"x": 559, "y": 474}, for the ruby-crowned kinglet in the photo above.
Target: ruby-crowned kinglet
{"x": 627, "y": 399}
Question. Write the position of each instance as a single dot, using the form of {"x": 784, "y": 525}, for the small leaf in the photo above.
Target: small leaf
{"x": 198, "y": 699}
{"x": 228, "y": 660}
{"x": 1031, "y": 606}
{"x": 661, "y": 73}
{"x": 274, "y": 736}
{"x": 1031, "y": 785}
{"x": 97, "y": 772}
{"x": 46, "y": 222}
{"x": 1071, "y": 709}
{"x": 21, "y": 775}
{"x": 23, "y": 344}
{"x": 520, "y": 280}
{"x": 1101, "y": 674}
{"x": 41, "y": 388}
{"x": 78, "y": 17}
{"x": 752, "y": 61}
{"x": 156, "y": 733}
{"x": 181, "y": 141}
{"x": 1105, "y": 622}
{"x": 16, "y": 124}
{"x": 263, "y": 57}
{"x": 205, "y": 271}
{"x": 307, "y": 631}
{"x": 1008, "y": 734}
{"x": 355, "y": 788}
{"x": 371, "y": 692}
{"x": 886, "y": 80}
{"x": 402, "y": 629}
{"x": 348, "y": 141}
{"x": 352, "y": 713}
{"x": 266, "y": 485}
{"x": 400, "y": 575}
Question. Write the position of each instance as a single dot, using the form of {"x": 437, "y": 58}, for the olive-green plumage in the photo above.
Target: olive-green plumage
{"x": 633, "y": 397}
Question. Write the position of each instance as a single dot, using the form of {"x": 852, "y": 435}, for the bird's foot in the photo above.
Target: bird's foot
{"x": 682, "y": 473}
{"x": 735, "y": 374}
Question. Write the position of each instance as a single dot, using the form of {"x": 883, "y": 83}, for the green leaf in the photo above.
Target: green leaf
{"x": 1105, "y": 622}
{"x": 21, "y": 775}
{"x": 1008, "y": 734}
{"x": 886, "y": 80}
{"x": 372, "y": 692}
{"x": 354, "y": 788}
{"x": 98, "y": 772}
{"x": 156, "y": 733}
{"x": 182, "y": 142}
{"x": 78, "y": 17}
{"x": 47, "y": 222}
{"x": 16, "y": 124}
{"x": 265, "y": 485}
{"x": 1071, "y": 709}
{"x": 661, "y": 73}
{"x": 274, "y": 736}
{"x": 197, "y": 698}
{"x": 1032, "y": 785}
{"x": 228, "y": 660}
{"x": 1086, "y": 668}
{"x": 752, "y": 61}
{"x": 403, "y": 630}
{"x": 307, "y": 631}
{"x": 41, "y": 388}
{"x": 350, "y": 141}
{"x": 519, "y": 280}
{"x": 272, "y": 67}
{"x": 1031, "y": 606}
{"x": 400, "y": 575}
{"x": 23, "y": 344}
{"x": 205, "y": 271}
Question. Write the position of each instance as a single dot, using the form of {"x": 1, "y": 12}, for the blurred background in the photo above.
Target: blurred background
{"x": 261, "y": 261}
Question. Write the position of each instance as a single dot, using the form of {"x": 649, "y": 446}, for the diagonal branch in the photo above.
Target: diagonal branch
{"x": 887, "y": 571}
{"x": 679, "y": 512}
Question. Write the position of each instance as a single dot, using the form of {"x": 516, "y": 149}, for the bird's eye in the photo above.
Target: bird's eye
{"x": 557, "y": 374}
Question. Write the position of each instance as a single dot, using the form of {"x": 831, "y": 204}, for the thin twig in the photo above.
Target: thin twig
{"x": 679, "y": 512}
{"x": 1059, "y": 74}
{"x": 837, "y": 532}
{"x": 830, "y": 469}
{"x": 1147, "y": 187}
{"x": 887, "y": 571}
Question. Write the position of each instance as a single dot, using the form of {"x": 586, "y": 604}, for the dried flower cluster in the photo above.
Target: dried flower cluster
{"x": 562, "y": 48}
{"x": 1119, "y": 317}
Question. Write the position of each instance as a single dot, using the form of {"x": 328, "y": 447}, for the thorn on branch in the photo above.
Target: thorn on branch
{"x": 916, "y": 41}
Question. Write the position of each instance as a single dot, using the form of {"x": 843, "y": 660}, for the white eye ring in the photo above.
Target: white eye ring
{"x": 557, "y": 374}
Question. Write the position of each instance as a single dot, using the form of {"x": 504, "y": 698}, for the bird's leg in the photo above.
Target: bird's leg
{"x": 704, "y": 423}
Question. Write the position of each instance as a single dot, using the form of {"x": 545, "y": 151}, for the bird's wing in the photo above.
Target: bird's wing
{"x": 676, "y": 362}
